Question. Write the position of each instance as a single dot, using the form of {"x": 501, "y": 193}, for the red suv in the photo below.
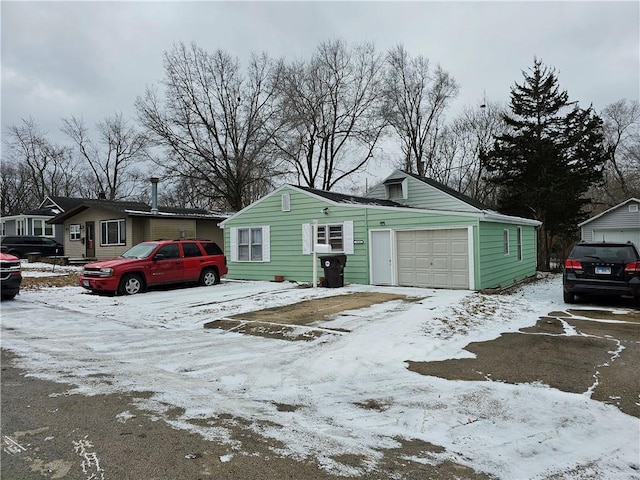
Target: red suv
{"x": 159, "y": 262}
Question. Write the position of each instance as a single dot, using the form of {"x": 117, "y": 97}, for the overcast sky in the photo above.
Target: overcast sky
{"x": 93, "y": 59}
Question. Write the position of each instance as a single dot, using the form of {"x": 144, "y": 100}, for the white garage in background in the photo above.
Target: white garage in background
{"x": 618, "y": 224}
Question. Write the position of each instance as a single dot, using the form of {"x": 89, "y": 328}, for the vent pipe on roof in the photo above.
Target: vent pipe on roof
{"x": 154, "y": 195}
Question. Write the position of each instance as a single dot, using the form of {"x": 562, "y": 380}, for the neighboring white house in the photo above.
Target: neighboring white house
{"x": 34, "y": 222}
{"x": 618, "y": 224}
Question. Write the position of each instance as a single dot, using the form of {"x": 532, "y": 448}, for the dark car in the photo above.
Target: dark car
{"x": 10, "y": 276}
{"x": 160, "y": 262}
{"x": 22, "y": 245}
{"x": 606, "y": 269}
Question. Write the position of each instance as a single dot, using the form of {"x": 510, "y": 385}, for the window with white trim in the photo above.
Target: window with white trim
{"x": 338, "y": 235}
{"x": 74, "y": 232}
{"x": 250, "y": 244}
{"x": 20, "y": 230}
{"x": 331, "y": 235}
{"x": 519, "y": 242}
{"x": 113, "y": 232}
{"x": 505, "y": 241}
{"x": 41, "y": 227}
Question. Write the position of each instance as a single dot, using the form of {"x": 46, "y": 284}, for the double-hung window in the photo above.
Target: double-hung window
{"x": 74, "y": 232}
{"x": 250, "y": 244}
{"x": 113, "y": 232}
{"x": 41, "y": 227}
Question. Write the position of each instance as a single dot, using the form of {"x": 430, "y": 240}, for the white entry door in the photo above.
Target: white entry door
{"x": 381, "y": 266}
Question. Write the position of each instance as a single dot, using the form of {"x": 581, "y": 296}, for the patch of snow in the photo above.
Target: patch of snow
{"x": 155, "y": 342}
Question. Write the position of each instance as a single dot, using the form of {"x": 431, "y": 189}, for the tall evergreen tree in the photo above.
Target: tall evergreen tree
{"x": 552, "y": 153}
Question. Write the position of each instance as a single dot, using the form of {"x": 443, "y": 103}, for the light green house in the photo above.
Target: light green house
{"x": 408, "y": 231}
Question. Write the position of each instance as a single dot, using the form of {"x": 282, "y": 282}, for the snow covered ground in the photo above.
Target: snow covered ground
{"x": 155, "y": 342}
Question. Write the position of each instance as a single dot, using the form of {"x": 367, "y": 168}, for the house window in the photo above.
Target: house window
{"x": 519, "y": 240}
{"x": 40, "y": 227}
{"x": 633, "y": 208}
{"x": 113, "y": 232}
{"x": 331, "y": 235}
{"x": 505, "y": 241}
{"x": 20, "y": 230}
{"x": 74, "y": 232}
{"x": 250, "y": 244}
{"x": 3, "y": 228}
{"x": 395, "y": 190}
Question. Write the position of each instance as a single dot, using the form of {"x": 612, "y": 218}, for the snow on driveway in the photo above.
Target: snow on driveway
{"x": 155, "y": 342}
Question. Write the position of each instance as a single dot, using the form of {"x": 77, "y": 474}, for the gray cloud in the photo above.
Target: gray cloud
{"x": 94, "y": 58}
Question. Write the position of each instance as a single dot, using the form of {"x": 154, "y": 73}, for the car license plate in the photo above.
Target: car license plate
{"x": 85, "y": 283}
{"x": 603, "y": 270}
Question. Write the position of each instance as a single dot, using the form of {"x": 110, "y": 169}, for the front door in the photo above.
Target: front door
{"x": 90, "y": 239}
{"x": 381, "y": 265}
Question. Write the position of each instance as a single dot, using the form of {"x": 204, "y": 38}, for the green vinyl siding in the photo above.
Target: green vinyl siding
{"x": 286, "y": 255}
{"x": 497, "y": 269}
{"x": 489, "y": 266}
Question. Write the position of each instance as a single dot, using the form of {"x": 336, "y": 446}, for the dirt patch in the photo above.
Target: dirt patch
{"x": 302, "y": 320}
{"x": 62, "y": 280}
{"x": 564, "y": 352}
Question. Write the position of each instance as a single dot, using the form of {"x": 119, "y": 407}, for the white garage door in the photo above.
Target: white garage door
{"x": 433, "y": 258}
{"x": 632, "y": 235}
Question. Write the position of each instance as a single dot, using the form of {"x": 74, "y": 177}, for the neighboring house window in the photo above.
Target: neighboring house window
{"x": 633, "y": 208}
{"x": 505, "y": 241}
{"x": 250, "y": 244}
{"x": 74, "y": 232}
{"x": 3, "y": 228}
{"x": 339, "y": 236}
{"x": 20, "y": 230}
{"x": 40, "y": 227}
{"x": 113, "y": 232}
{"x": 286, "y": 202}
{"x": 519, "y": 239}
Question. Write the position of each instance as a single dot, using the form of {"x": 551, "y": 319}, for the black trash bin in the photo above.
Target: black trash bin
{"x": 333, "y": 270}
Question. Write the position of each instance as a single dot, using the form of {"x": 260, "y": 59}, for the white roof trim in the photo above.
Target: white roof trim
{"x": 632, "y": 199}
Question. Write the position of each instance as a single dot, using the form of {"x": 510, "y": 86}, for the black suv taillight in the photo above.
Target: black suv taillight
{"x": 633, "y": 267}
{"x": 570, "y": 264}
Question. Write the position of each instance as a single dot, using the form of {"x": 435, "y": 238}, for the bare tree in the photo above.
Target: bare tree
{"x": 461, "y": 146}
{"x": 215, "y": 122}
{"x": 416, "y": 97}
{"x": 114, "y": 158}
{"x": 34, "y": 167}
{"x": 621, "y": 125}
{"x": 331, "y": 104}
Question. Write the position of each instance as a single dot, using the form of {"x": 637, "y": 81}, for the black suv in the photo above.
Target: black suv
{"x": 611, "y": 269}
{"x": 21, "y": 245}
